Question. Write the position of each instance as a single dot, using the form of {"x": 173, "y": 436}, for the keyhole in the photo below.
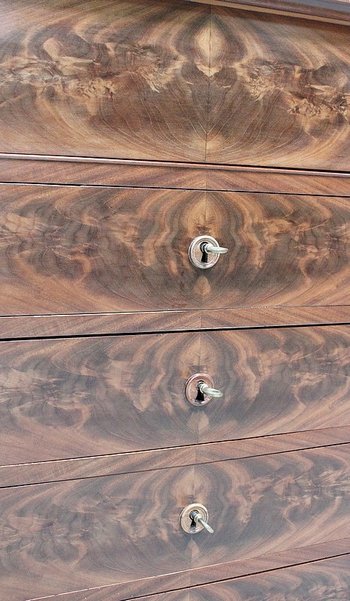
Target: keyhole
{"x": 205, "y": 257}
{"x": 193, "y": 521}
{"x": 200, "y": 396}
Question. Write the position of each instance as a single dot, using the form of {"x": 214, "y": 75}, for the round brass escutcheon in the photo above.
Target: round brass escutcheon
{"x": 192, "y": 390}
{"x": 204, "y": 252}
{"x": 194, "y": 518}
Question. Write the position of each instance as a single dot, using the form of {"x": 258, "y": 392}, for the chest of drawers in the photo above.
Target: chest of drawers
{"x": 174, "y": 293}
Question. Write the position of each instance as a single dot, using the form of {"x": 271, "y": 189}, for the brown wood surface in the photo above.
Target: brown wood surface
{"x": 87, "y": 533}
{"x": 30, "y": 326}
{"x": 320, "y": 581}
{"x": 143, "y": 461}
{"x": 173, "y": 81}
{"x": 157, "y": 174}
{"x": 195, "y": 577}
{"x": 279, "y": 92}
{"x": 83, "y": 397}
{"x": 126, "y": 79}
{"x": 97, "y": 249}
{"x": 334, "y": 11}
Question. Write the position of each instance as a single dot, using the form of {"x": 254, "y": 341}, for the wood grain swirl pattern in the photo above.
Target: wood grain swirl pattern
{"x": 96, "y": 532}
{"x": 283, "y": 250}
{"x": 85, "y": 397}
{"x": 328, "y": 579}
{"x": 173, "y": 81}
{"x": 213, "y": 574}
{"x": 72, "y": 250}
{"x": 124, "y": 79}
{"x": 275, "y": 101}
{"x": 67, "y": 250}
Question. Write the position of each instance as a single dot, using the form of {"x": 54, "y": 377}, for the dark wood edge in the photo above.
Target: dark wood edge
{"x": 36, "y": 326}
{"x": 143, "y": 461}
{"x": 330, "y": 11}
{"x": 209, "y": 574}
{"x": 63, "y": 170}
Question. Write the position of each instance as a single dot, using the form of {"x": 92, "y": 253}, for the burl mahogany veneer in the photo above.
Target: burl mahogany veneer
{"x": 174, "y": 300}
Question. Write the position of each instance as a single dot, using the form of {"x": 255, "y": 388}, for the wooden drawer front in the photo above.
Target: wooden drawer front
{"x": 109, "y": 530}
{"x": 72, "y": 249}
{"x": 327, "y": 580}
{"x": 279, "y": 93}
{"x": 125, "y": 79}
{"x": 83, "y": 397}
{"x": 173, "y": 80}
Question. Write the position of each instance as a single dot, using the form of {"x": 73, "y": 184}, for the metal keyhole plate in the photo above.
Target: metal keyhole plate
{"x": 192, "y": 392}
{"x": 187, "y": 524}
{"x": 196, "y": 255}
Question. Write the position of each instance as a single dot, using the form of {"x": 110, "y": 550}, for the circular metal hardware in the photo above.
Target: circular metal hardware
{"x": 204, "y": 252}
{"x": 194, "y": 519}
{"x": 199, "y": 390}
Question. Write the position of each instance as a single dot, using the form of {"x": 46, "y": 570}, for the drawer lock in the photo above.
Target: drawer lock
{"x": 194, "y": 519}
{"x": 204, "y": 252}
{"x": 199, "y": 390}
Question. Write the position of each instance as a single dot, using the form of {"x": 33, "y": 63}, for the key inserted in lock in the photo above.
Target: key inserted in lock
{"x": 199, "y": 390}
{"x": 204, "y": 252}
{"x": 194, "y": 519}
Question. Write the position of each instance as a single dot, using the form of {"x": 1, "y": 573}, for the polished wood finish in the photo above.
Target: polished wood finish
{"x": 215, "y": 573}
{"x": 126, "y": 129}
{"x": 331, "y": 11}
{"x": 275, "y": 101}
{"x": 156, "y": 174}
{"x": 126, "y": 79}
{"x": 283, "y": 250}
{"x": 143, "y": 461}
{"x": 36, "y": 326}
{"x": 69, "y": 250}
{"x": 328, "y": 579}
{"x": 77, "y": 249}
{"x": 80, "y": 397}
{"x": 173, "y": 81}
{"x": 121, "y": 529}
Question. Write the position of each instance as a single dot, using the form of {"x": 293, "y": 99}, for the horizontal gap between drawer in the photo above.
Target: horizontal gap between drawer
{"x": 194, "y": 587}
{"x": 204, "y": 189}
{"x": 211, "y": 582}
{"x": 160, "y": 468}
{"x": 160, "y": 332}
{"x": 165, "y": 163}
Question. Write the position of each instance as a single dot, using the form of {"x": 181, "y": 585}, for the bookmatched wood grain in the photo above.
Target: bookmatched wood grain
{"x": 212, "y": 574}
{"x": 166, "y": 174}
{"x": 36, "y": 326}
{"x": 173, "y": 81}
{"x": 97, "y": 249}
{"x": 93, "y": 532}
{"x": 100, "y": 450}
{"x": 283, "y": 250}
{"x": 69, "y": 249}
{"x": 274, "y": 100}
{"x": 82, "y": 397}
{"x": 143, "y": 461}
{"x": 328, "y": 579}
{"x": 126, "y": 79}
